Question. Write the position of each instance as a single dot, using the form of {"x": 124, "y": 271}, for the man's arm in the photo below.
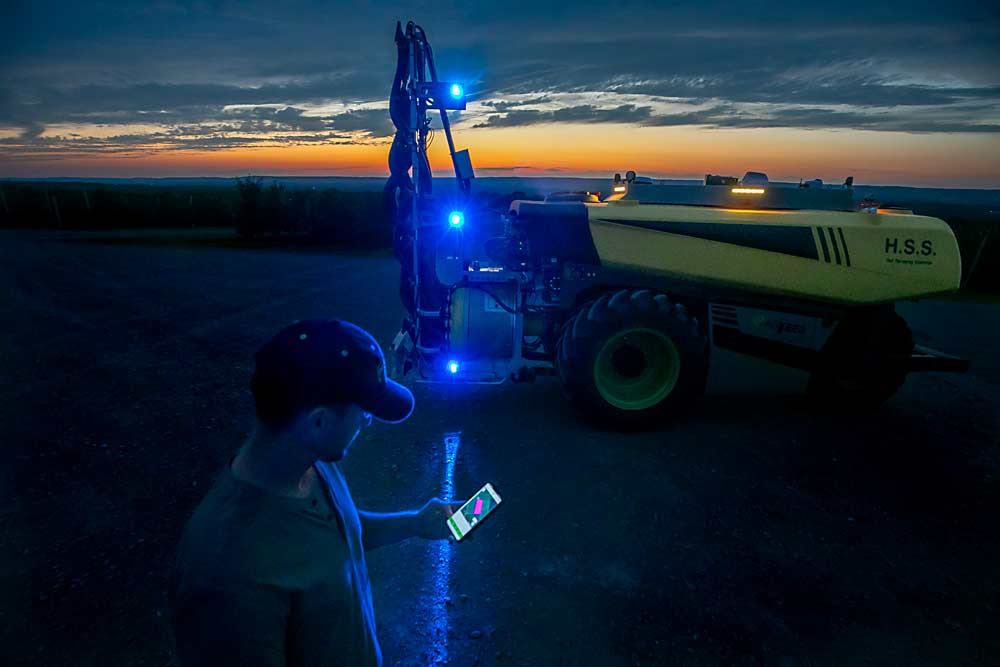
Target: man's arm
{"x": 381, "y": 529}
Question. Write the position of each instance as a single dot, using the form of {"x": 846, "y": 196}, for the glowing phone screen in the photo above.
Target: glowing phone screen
{"x": 473, "y": 511}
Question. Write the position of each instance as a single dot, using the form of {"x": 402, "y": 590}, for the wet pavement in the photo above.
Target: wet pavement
{"x": 751, "y": 530}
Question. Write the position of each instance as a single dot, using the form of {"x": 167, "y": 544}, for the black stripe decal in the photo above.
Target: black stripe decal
{"x": 784, "y": 239}
{"x": 822, "y": 241}
{"x": 833, "y": 242}
{"x": 847, "y": 255}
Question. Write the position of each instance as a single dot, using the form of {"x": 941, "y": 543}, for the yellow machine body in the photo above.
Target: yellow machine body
{"x": 845, "y": 257}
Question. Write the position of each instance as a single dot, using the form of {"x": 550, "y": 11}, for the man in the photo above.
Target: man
{"x": 271, "y": 567}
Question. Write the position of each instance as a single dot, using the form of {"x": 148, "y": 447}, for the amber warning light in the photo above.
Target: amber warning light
{"x": 748, "y": 191}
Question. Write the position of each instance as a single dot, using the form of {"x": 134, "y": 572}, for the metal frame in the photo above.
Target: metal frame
{"x": 421, "y": 72}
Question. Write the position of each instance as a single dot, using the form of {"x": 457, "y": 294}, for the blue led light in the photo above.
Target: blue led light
{"x": 452, "y": 367}
{"x": 456, "y": 90}
{"x": 456, "y": 218}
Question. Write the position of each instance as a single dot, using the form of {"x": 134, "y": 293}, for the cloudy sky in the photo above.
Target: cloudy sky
{"x": 905, "y": 93}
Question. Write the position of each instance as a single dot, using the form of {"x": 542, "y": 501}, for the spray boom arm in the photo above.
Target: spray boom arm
{"x": 416, "y": 92}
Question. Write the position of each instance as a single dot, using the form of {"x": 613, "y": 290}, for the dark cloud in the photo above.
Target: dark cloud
{"x": 841, "y": 88}
{"x": 375, "y": 122}
{"x": 171, "y": 104}
{"x": 24, "y": 102}
{"x": 732, "y": 116}
{"x": 819, "y": 118}
{"x": 908, "y": 67}
{"x": 887, "y": 120}
{"x": 291, "y": 118}
{"x": 505, "y": 105}
{"x": 32, "y": 131}
{"x": 585, "y": 113}
{"x": 184, "y": 138}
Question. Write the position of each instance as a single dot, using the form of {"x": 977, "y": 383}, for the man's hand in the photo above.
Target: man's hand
{"x": 430, "y": 520}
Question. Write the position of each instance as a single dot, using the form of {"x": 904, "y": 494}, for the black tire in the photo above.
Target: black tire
{"x": 631, "y": 358}
{"x": 863, "y": 363}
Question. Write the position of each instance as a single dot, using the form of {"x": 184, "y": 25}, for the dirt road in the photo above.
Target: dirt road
{"x": 750, "y": 531}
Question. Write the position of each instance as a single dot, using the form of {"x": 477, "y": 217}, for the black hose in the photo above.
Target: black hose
{"x": 493, "y": 296}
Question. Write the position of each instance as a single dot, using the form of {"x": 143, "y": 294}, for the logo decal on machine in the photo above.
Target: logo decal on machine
{"x": 898, "y": 246}
{"x": 919, "y": 252}
{"x": 833, "y": 245}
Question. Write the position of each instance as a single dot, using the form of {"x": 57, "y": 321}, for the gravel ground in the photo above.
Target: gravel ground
{"x": 751, "y": 531}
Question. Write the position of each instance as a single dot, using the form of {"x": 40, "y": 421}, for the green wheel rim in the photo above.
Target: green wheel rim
{"x": 637, "y": 368}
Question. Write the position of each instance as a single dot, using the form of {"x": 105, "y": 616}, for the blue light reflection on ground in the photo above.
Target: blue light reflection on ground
{"x": 440, "y": 561}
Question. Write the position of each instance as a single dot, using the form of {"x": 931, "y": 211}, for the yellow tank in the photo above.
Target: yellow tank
{"x": 845, "y": 257}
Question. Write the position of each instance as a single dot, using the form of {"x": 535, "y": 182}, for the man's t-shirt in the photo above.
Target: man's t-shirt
{"x": 263, "y": 579}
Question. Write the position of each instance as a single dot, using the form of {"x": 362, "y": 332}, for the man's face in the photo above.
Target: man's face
{"x": 339, "y": 429}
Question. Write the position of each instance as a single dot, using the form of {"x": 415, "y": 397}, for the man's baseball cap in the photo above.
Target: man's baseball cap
{"x": 325, "y": 362}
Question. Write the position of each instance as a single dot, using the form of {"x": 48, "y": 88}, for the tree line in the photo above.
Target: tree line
{"x": 256, "y": 210}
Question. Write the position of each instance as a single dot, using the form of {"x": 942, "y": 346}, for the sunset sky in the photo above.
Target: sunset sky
{"x": 905, "y": 93}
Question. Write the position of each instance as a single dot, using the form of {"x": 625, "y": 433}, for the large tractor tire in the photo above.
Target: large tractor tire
{"x": 864, "y": 362}
{"x": 631, "y": 358}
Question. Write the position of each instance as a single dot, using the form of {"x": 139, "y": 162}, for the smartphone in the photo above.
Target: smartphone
{"x": 473, "y": 512}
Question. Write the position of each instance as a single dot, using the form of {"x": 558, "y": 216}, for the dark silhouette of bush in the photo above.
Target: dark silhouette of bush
{"x": 328, "y": 215}
{"x": 253, "y": 208}
{"x": 44, "y": 205}
{"x": 250, "y": 216}
{"x": 262, "y": 211}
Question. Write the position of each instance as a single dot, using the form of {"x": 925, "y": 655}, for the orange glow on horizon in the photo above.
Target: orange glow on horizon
{"x": 941, "y": 160}
{"x": 318, "y": 160}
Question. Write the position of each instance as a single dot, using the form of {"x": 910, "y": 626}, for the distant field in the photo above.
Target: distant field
{"x": 444, "y": 184}
{"x": 349, "y": 212}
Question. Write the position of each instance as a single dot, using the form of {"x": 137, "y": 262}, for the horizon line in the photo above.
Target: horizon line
{"x": 447, "y": 175}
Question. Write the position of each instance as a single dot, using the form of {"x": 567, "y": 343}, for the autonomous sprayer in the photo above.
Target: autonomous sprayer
{"x": 624, "y": 298}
